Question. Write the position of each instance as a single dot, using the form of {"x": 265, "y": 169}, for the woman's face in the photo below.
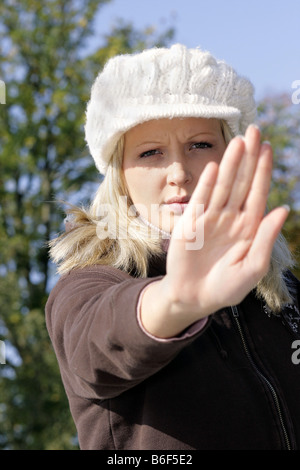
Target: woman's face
{"x": 162, "y": 162}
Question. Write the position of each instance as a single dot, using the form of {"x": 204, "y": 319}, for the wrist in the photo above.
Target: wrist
{"x": 164, "y": 316}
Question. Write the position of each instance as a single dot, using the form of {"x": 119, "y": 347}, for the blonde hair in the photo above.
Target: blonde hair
{"x": 125, "y": 242}
{"x": 120, "y": 239}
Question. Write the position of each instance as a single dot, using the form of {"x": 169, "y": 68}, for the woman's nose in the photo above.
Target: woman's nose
{"x": 178, "y": 174}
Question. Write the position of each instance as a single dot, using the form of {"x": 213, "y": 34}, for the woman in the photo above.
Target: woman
{"x": 174, "y": 319}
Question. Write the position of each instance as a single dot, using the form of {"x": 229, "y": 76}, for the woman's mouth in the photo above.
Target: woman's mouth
{"x": 177, "y": 205}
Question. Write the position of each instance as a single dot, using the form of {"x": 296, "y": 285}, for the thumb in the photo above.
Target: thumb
{"x": 265, "y": 237}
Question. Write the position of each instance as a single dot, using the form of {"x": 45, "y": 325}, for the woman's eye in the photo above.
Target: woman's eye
{"x": 149, "y": 153}
{"x": 201, "y": 145}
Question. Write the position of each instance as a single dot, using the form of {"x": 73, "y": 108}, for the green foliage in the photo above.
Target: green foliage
{"x": 43, "y": 158}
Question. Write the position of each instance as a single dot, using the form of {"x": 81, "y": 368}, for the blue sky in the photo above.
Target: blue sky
{"x": 259, "y": 38}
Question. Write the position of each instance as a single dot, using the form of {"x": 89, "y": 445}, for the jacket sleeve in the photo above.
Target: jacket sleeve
{"x": 102, "y": 350}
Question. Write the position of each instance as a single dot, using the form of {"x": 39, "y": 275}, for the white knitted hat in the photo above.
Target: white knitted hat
{"x": 163, "y": 83}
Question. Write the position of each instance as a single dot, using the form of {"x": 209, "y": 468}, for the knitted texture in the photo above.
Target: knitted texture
{"x": 163, "y": 83}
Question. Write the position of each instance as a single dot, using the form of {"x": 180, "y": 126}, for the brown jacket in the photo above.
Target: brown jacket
{"x": 231, "y": 385}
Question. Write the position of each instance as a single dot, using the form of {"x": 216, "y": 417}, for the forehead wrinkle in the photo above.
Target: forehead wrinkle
{"x": 155, "y": 132}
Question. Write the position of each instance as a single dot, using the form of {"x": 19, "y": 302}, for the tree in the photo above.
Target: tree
{"x": 279, "y": 120}
{"x": 43, "y": 158}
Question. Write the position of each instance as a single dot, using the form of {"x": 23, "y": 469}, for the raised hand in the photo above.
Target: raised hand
{"x": 237, "y": 246}
{"x": 238, "y": 236}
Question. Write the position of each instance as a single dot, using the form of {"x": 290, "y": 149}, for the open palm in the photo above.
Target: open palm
{"x": 238, "y": 235}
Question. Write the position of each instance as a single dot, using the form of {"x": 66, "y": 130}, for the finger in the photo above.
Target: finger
{"x": 227, "y": 173}
{"x": 257, "y": 197}
{"x": 205, "y": 185}
{"x": 246, "y": 170}
{"x": 190, "y": 225}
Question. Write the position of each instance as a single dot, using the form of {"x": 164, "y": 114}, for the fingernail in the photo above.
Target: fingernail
{"x": 287, "y": 207}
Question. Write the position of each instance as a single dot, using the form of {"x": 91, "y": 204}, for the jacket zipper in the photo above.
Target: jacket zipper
{"x": 235, "y": 313}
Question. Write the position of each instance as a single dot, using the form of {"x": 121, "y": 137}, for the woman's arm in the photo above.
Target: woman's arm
{"x": 92, "y": 321}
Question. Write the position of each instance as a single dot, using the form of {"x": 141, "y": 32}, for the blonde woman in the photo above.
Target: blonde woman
{"x": 175, "y": 315}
